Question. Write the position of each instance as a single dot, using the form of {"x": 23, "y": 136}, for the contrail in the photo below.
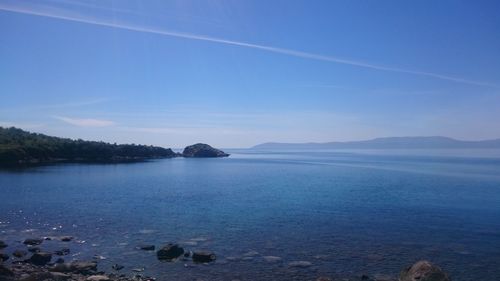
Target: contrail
{"x": 289, "y": 52}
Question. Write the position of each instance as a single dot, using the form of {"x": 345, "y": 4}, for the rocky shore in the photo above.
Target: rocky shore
{"x": 35, "y": 264}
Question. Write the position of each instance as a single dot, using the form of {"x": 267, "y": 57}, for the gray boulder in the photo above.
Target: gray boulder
{"x": 423, "y": 271}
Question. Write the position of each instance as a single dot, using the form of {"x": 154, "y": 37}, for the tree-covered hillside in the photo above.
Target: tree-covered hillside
{"x": 18, "y": 146}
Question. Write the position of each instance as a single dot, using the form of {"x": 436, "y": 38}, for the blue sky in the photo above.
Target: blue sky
{"x": 238, "y": 73}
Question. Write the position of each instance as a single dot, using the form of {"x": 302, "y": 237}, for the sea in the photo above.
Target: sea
{"x": 268, "y": 215}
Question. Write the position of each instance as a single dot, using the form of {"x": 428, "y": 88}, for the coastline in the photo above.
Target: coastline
{"x": 31, "y": 262}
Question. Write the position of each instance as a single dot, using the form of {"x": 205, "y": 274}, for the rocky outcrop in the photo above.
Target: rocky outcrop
{"x": 423, "y": 271}
{"x": 201, "y": 150}
{"x": 203, "y": 256}
{"x": 170, "y": 252}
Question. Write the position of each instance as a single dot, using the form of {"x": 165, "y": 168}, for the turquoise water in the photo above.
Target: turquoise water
{"x": 346, "y": 212}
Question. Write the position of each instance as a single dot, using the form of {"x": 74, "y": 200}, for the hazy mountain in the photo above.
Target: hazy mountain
{"x": 386, "y": 143}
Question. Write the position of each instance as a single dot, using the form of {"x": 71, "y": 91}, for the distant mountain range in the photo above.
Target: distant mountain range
{"x": 386, "y": 143}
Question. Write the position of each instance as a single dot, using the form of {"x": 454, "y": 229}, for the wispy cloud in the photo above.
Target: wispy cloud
{"x": 73, "y": 104}
{"x": 83, "y": 122}
{"x": 65, "y": 14}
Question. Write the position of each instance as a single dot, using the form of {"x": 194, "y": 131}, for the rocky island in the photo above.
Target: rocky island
{"x": 19, "y": 147}
{"x": 201, "y": 150}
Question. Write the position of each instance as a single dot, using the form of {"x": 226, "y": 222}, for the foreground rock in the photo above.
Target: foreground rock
{"x": 82, "y": 267}
{"x": 423, "y": 271}
{"x": 203, "y": 256}
{"x": 98, "y": 278}
{"x": 170, "y": 252}
{"x": 4, "y": 257}
{"x": 33, "y": 242}
{"x": 5, "y": 273}
{"x": 77, "y": 271}
{"x": 40, "y": 258}
{"x": 201, "y": 150}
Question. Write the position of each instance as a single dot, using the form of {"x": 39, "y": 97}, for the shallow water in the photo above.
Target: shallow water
{"x": 346, "y": 212}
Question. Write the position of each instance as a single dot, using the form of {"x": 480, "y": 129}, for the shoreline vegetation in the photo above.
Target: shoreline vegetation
{"x": 29, "y": 261}
{"x": 19, "y": 147}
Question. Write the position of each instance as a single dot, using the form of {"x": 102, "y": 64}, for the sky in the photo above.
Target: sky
{"x": 238, "y": 73}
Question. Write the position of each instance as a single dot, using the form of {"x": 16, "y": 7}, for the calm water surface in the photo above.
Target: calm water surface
{"x": 346, "y": 212}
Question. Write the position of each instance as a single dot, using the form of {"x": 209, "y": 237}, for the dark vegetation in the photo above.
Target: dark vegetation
{"x": 201, "y": 150}
{"x": 21, "y": 147}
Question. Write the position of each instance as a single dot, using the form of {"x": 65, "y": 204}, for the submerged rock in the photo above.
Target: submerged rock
{"x": 41, "y": 258}
{"x": 66, "y": 238}
{"x": 169, "y": 252}
{"x": 84, "y": 267}
{"x": 203, "y": 256}
{"x": 365, "y": 277}
{"x": 117, "y": 267}
{"x": 202, "y": 150}
{"x": 423, "y": 271}
{"x": 62, "y": 252}
{"x": 33, "y": 241}
{"x": 4, "y": 257}
{"x": 19, "y": 253}
{"x": 34, "y": 249}
{"x": 146, "y": 247}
